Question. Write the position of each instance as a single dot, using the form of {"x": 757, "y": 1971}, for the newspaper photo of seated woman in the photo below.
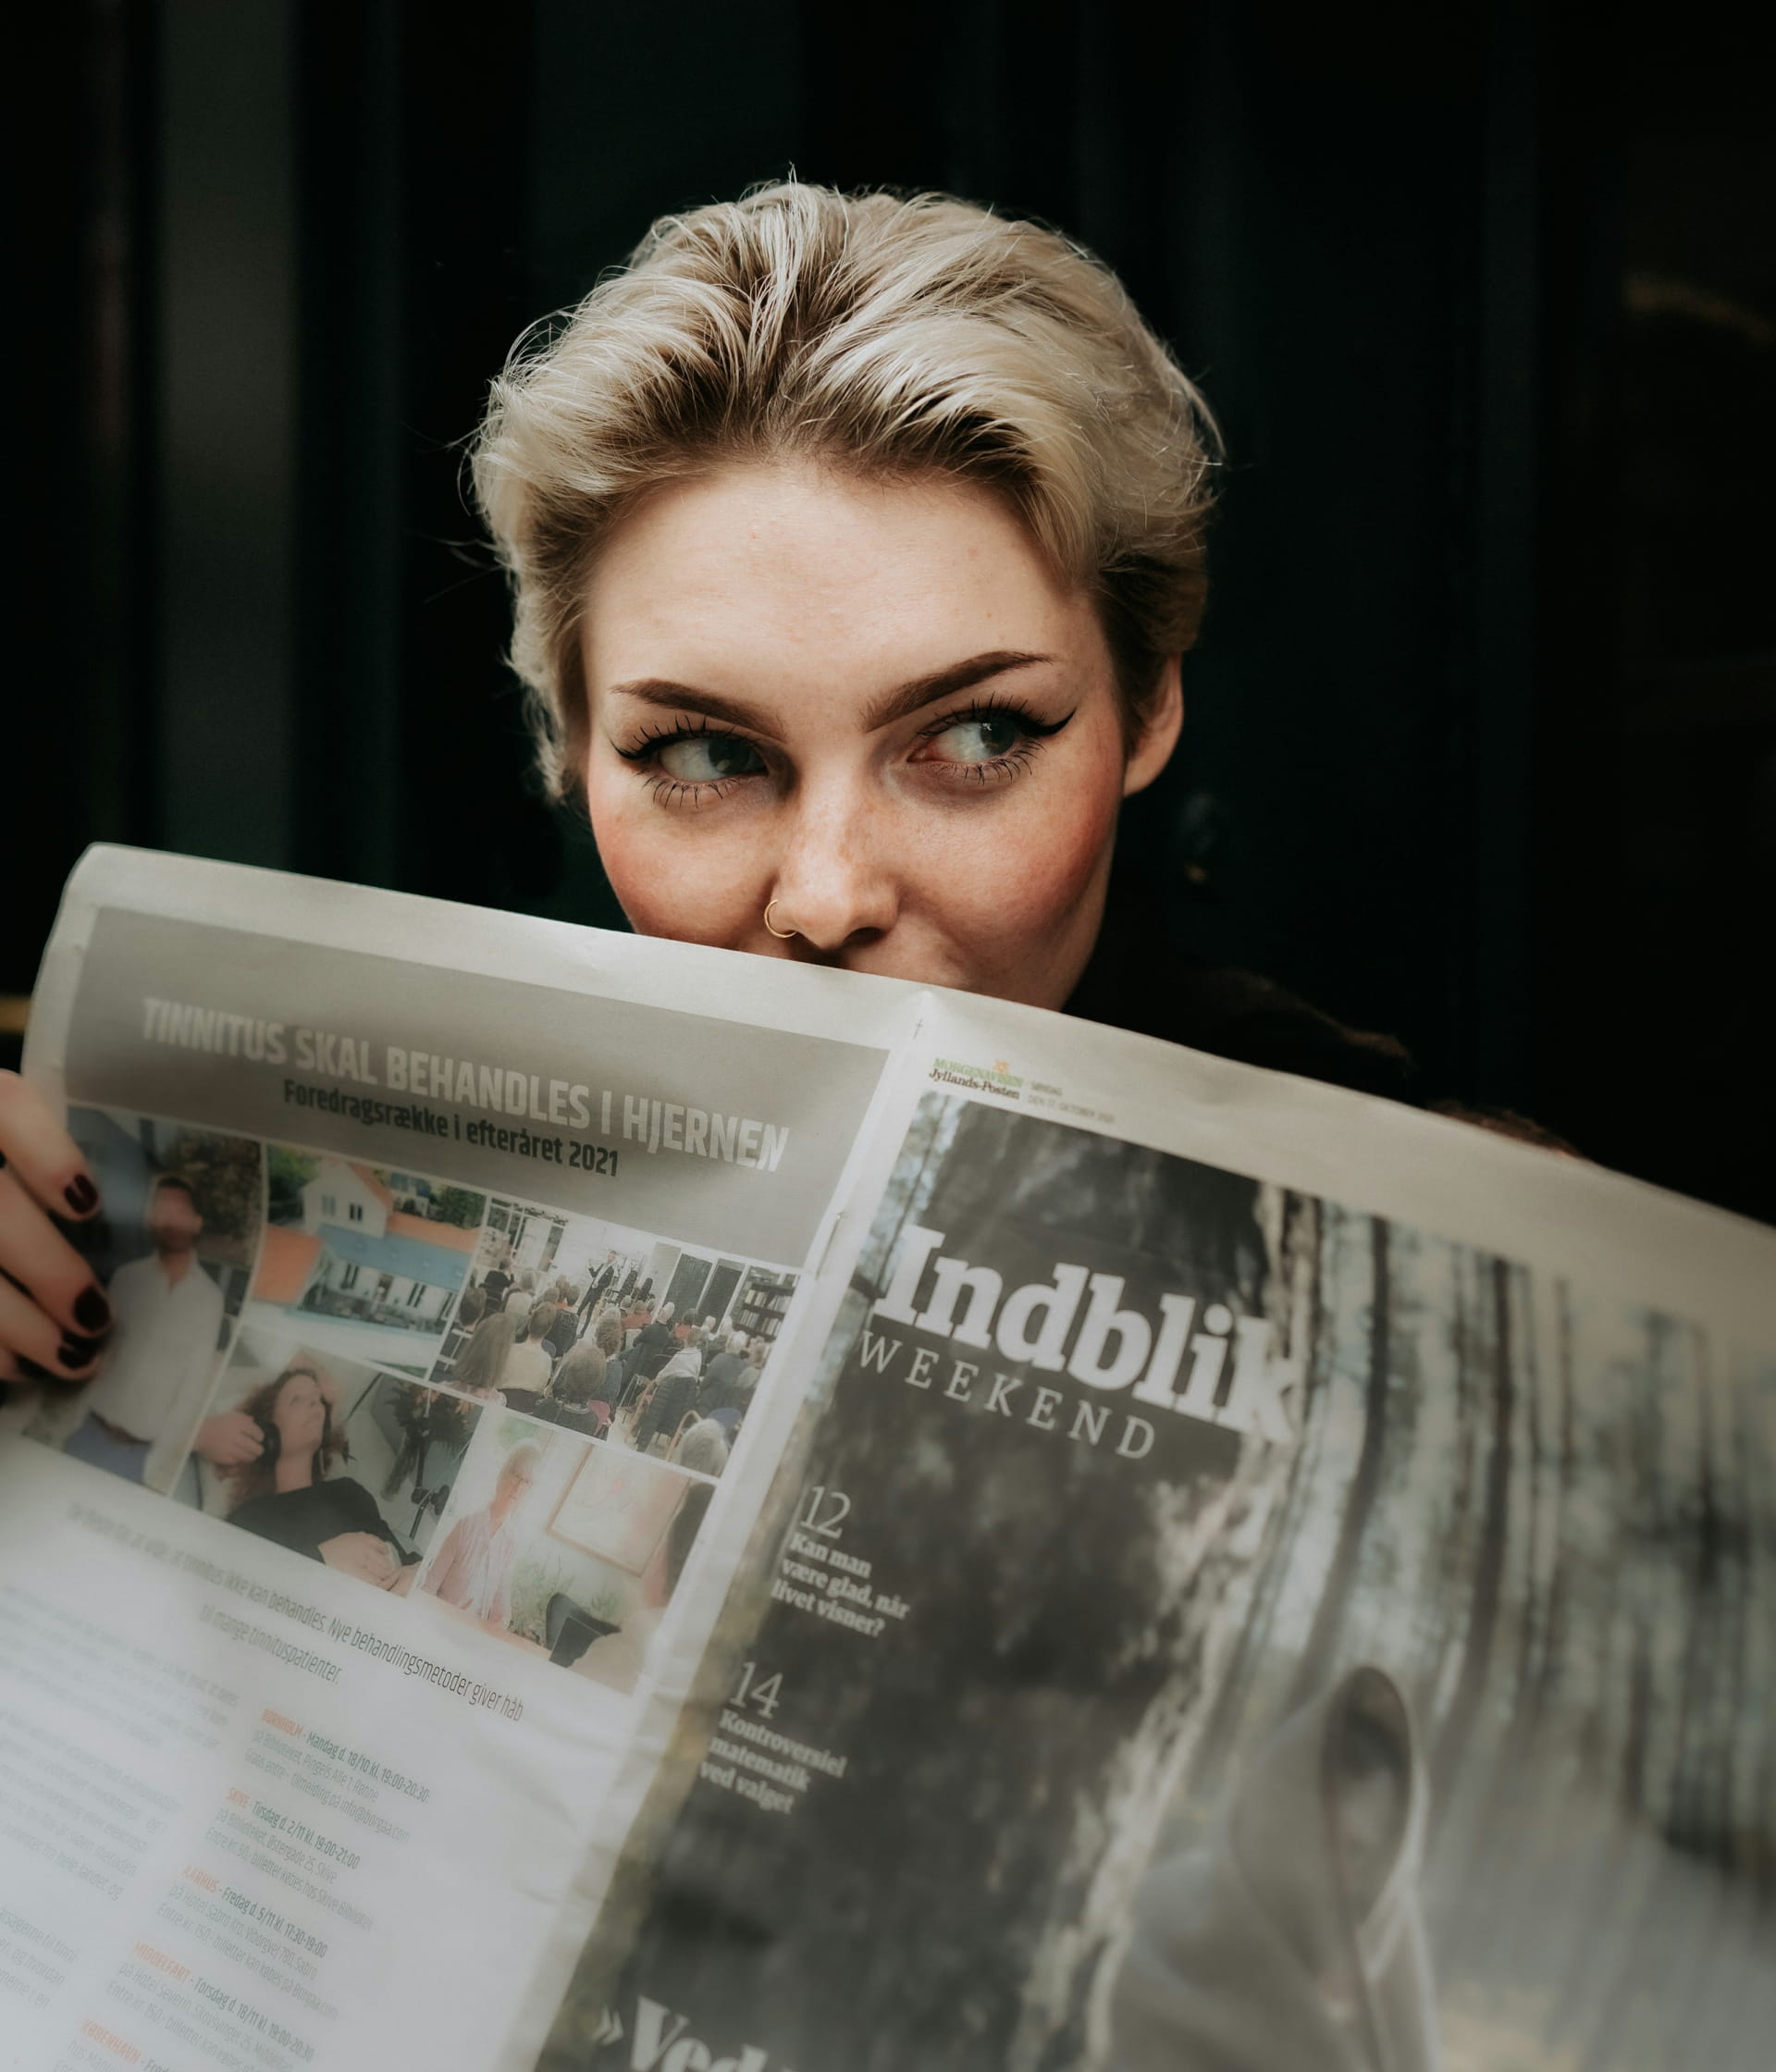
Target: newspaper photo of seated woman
{"x": 173, "y": 1251}
{"x": 331, "y": 1460}
{"x": 612, "y": 1334}
{"x": 566, "y": 1549}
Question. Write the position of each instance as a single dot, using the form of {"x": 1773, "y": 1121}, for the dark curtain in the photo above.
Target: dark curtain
{"x": 1481, "y": 745}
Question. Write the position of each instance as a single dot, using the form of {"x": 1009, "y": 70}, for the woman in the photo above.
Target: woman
{"x": 1292, "y": 1934}
{"x": 285, "y": 1494}
{"x": 531, "y": 1361}
{"x": 854, "y": 543}
{"x": 721, "y": 1377}
{"x": 482, "y": 1363}
{"x": 654, "y": 1344}
{"x": 564, "y": 1326}
{"x": 673, "y": 1395}
{"x": 607, "y": 1335}
{"x": 576, "y": 1399}
{"x": 473, "y": 1569}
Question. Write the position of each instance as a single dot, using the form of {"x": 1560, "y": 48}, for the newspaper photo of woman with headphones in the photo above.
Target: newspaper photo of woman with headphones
{"x": 354, "y": 1467}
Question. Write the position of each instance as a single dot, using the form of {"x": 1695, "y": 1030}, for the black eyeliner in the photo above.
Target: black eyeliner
{"x": 997, "y": 709}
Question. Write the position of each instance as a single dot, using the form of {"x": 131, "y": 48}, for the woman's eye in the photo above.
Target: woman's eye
{"x": 709, "y": 759}
{"x": 987, "y": 738}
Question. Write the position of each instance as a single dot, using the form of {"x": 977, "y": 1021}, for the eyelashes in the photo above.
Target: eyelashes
{"x": 685, "y": 764}
{"x": 992, "y": 741}
{"x": 998, "y": 739}
{"x": 998, "y": 709}
{"x": 653, "y": 739}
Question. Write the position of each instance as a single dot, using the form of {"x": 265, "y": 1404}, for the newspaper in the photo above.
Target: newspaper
{"x": 906, "y": 1532}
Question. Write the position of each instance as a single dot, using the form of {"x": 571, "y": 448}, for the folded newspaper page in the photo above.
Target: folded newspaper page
{"x": 907, "y": 1533}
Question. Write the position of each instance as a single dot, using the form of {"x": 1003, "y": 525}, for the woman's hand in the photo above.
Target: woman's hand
{"x": 359, "y": 1554}
{"x": 53, "y": 1316}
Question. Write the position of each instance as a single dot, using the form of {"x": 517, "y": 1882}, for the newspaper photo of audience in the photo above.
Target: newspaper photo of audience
{"x": 612, "y": 1334}
{"x": 564, "y": 1549}
{"x": 174, "y": 1251}
{"x": 361, "y": 1260}
{"x": 329, "y": 1459}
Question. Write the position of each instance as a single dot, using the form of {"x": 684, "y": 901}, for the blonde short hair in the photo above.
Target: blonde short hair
{"x": 896, "y": 335}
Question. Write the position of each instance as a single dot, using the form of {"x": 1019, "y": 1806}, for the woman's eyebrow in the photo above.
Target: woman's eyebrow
{"x": 893, "y": 705}
{"x": 959, "y": 676}
{"x": 687, "y": 698}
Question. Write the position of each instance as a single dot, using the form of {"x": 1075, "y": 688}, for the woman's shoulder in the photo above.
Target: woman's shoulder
{"x": 1139, "y": 981}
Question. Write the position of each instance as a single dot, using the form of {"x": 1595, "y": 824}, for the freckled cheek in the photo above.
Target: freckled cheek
{"x": 1025, "y": 876}
{"x": 689, "y": 884}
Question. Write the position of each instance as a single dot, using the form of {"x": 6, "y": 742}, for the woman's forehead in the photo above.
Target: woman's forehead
{"x": 799, "y": 582}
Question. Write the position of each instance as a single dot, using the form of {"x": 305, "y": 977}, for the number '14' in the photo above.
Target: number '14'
{"x": 761, "y": 1693}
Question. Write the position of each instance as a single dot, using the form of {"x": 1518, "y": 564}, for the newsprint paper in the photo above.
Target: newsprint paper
{"x": 664, "y": 1510}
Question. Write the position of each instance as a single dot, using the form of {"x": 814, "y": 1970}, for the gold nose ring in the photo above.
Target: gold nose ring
{"x": 783, "y": 935}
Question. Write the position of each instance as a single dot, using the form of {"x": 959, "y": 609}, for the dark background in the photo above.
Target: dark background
{"x": 1482, "y": 735}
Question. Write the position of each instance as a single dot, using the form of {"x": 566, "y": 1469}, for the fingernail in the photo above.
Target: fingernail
{"x": 31, "y": 1370}
{"x": 81, "y": 1194}
{"x": 92, "y": 1311}
{"x": 77, "y": 1352}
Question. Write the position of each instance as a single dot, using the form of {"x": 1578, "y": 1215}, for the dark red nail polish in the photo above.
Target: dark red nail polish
{"x": 76, "y": 1353}
{"x": 81, "y": 1194}
{"x": 31, "y": 1370}
{"x": 92, "y": 1311}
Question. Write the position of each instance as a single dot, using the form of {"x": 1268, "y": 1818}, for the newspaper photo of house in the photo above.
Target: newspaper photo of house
{"x": 367, "y": 1262}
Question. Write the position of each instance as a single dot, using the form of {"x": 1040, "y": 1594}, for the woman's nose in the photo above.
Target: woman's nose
{"x": 836, "y": 881}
